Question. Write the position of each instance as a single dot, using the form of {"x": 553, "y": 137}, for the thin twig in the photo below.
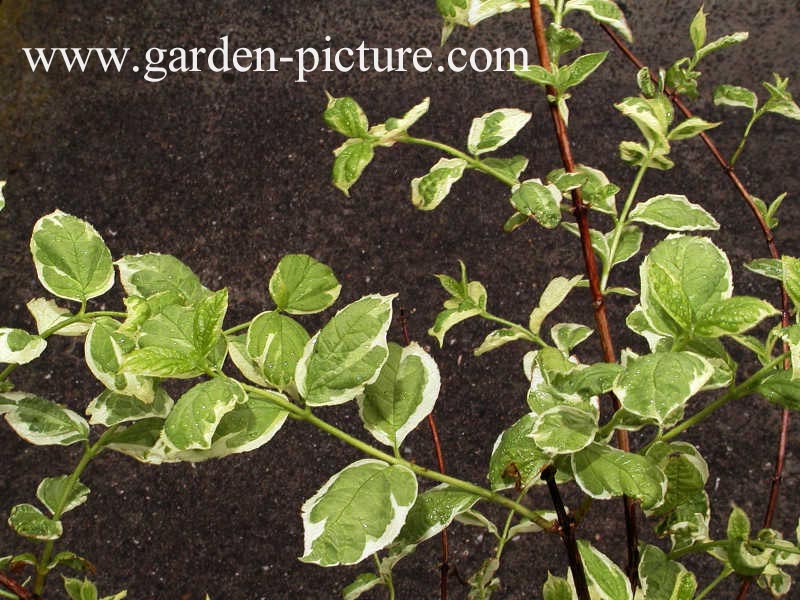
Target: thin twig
{"x": 769, "y": 237}
{"x": 590, "y": 262}
{"x": 566, "y": 528}
{"x": 15, "y": 587}
{"x": 444, "y": 569}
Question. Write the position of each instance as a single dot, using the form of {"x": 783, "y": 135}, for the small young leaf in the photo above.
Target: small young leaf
{"x": 28, "y": 521}
{"x": 276, "y": 342}
{"x": 511, "y": 167}
{"x": 690, "y": 128}
{"x": 198, "y": 412}
{"x": 402, "y": 396}
{"x": 347, "y": 354}
{"x": 394, "y": 128}
{"x": 645, "y": 82}
{"x": 497, "y": 338}
{"x": 606, "y": 580}
{"x": 72, "y": 260}
{"x": 105, "y": 350}
{"x": 604, "y": 472}
{"x": 767, "y": 267}
{"x": 209, "y": 314}
{"x": 52, "y": 493}
{"x": 48, "y": 314}
{"x": 657, "y": 386}
{"x": 780, "y": 100}
{"x": 697, "y": 29}
{"x": 358, "y": 511}
{"x": 652, "y": 121}
{"x": 346, "y": 116}
{"x": 733, "y": 95}
{"x": 537, "y": 74}
{"x": 719, "y": 44}
{"x": 568, "y": 335}
{"x": 46, "y": 423}
{"x": 686, "y": 471}
{"x": 674, "y": 213}
{"x": 561, "y": 40}
{"x": 360, "y": 585}
{"x": 636, "y": 155}
{"x": 301, "y": 285}
{"x": 147, "y": 275}
{"x": 553, "y": 295}
{"x": 577, "y": 72}
{"x": 542, "y": 202}
{"x": 557, "y": 588}
{"x": 428, "y": 191}
{"x": 352, "y": 158}
{"x": 495, "y": 129}
{"x": 605, "y": 11}
{"x": 19, "y": 347}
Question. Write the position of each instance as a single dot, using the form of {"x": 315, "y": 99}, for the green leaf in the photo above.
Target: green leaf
{"x": 428, "y": 191}
{"x": 137, "y": 440}
{"x": 198, "y": 412}
{"x": 111, "y": 408}
{"x": 347, "y": 354}
{"x": 209, "y": 314}
{"x": 361, "y": 584}
{"x": 346, "y": 116}
{"x": 657, "y": 386}
{"x": 577, "y": 72}
{"x": 29, "y": 522}
{"x": 447, "y": 319}
{"x": 690, "y": 128}
{"x": 52, "y": 492}
{"x": 780, "y": 100}
{"x": 561, "y": 40}
{"x": 664, "y": 579}
{"x": 516, "y": 459}
{"x": 791, "y": 336}
{"x": 557, "y": 588}
{"x": 567, "y": 336}
{"x": 402, "y": 396}
{"x": 535, "y": 73}
{"x": 636, "y": 155}
{"x": 553, "y": 295}
{"x": 497, "y": 338}
{"x": 719, "y": 44}
{"x": 767, "y": 267}
{"x": 389, "y": 132}
{"x": 738, "y": 525}
{"x": 564, "y": 430}
{"x": 675, "y": 213}
{"x": 358, "y": 511}
{"x": 542, "y": 202}
{"x": 779, "y": 388}
{"x": 301, "y": 285}
{"x": 352, "y": 158}
{"x": 681, "y": 277}
{"x": 2, "y": 198}
{"x": 157, "y": 361}
{"x": 791, "y": 278}
{"x": 605, "y": 11}
{"x": 72, "y": 260}
{"x": 71, "y": 561}
{"x": 105, "y": 350}
{"x": 650, "y": 117}
{"x": 48, "y": 314}
{"x": 686, "y": 471}
{"x": 46, "y": 423}
{"x": 468, "y": 300}
{"x": 733, "y": 95}
{"x": 19, "y": 347}
{"x": 697, "y": 29}
{"x": 732, "y": 315}
{"x": 688, "y": 523}
{"x": 495, "y": 129}
{"x": 237, "y": 350}
{"x": 276, "y": 342}
{"x": 432, "y": 512}
{"x": 604, "y": 472}
{"x": 606, "y": 580}
{"x": 511, "y": 167}
{"x": 147, "y": 275}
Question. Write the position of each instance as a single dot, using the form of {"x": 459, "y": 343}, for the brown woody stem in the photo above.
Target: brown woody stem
{"x": 592, "y": 274}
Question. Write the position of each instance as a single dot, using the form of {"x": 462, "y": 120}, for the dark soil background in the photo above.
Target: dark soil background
{"x": 229, "y": 172}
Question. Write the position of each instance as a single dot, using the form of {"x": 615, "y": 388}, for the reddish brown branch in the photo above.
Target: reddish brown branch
{"x": 598, "y": 302}
{"x": 15, "y": 587}
{"x": 769, "y": 237}
{"x": 444, "y": 568}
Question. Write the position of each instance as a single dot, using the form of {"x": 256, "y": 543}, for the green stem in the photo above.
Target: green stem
{"x": 710, "y": 587}
{"x": 306, "y": 415}
{"x": 622, "y": 221}
{"x": 236, "y": 328}
{"x": 743, "y": 141}
{"x": 473, "y": 162}
{"x": 734, "y": 393}
{"x": 506, "y": 528}
{"x": 510, "y": 324}
{"x": 6, "y": 594}
{"x": 89, "y": 453}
